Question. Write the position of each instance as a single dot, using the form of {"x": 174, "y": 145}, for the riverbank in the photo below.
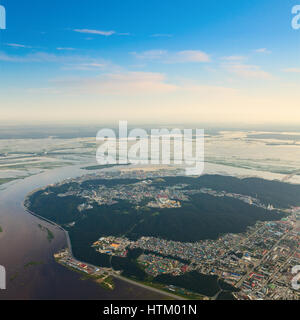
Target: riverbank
{"x": 23, "y": 241}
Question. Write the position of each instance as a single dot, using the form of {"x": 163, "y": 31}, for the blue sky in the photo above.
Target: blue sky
{"x": 172, "y": 60}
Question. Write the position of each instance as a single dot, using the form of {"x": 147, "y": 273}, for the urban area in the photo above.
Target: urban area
{"x": 258, "y": 262}
{"x": 145, "y": 189}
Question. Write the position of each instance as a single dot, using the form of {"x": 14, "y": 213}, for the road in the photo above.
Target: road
{"x": 240, "y": 282}
{"x": 117, "y": 276}
{"x": 170, "y": 295}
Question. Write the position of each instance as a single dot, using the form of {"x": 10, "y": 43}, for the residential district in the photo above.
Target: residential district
{"x": 259, "y": 262}
{"x": 146, "y": 189}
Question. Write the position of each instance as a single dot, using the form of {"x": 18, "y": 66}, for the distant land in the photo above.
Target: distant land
{"x": 275, "y": 136}
{"x": 82, "y": 131}
{"x": 71, "y": 132}
{"x": 100, "y": 166}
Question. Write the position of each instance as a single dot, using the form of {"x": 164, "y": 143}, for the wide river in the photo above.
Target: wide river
{"x": 23, "y": 241}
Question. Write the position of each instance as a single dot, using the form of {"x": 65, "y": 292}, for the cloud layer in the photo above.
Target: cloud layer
{"x": 97, "y": 32}
{"x": 185, "y": 56}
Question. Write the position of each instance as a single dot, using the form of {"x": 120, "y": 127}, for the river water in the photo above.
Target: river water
{"x": 23, "y": 241}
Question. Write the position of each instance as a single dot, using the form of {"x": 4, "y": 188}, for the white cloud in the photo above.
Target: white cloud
{"x": 89, "y": 66}
{"x": 263, "y": 50}
{"x": 191, "y": 56}
{"x": 99, "y": 32}
{"x": 174, "y": 57}
{"x": 65, "y": 49}
{"x": 292, "y": 70}
{"x": 68, "y": 60}
{"x": 35, "y": 57}
{"x": 151, "y": 54}
{"x": 126, "y": 83}
{"x": 17, "y": 45}
{"x": 247, "y": 71}
{"x": 140, "y": 84}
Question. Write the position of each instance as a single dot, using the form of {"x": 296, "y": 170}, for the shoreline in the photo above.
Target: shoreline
{"x": 69, "y": 244}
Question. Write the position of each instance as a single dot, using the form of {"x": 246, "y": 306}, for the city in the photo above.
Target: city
{"x": 258, "y": 262}
{"x": 147, "y": 187}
